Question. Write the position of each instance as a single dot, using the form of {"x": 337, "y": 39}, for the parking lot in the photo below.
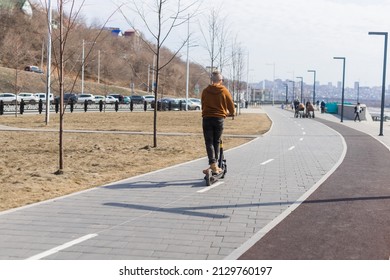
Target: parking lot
{"x": 167, "y": 104}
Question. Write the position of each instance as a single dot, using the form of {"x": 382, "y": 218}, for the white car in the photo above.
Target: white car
{"x": 28, "y": 97}
{"x": 107, "y": 99}
{"x": 90, "y": 98}
{"x": 42, "y": 95}
{"x": 149, "y": 98}
{"x": 9, "y": 98}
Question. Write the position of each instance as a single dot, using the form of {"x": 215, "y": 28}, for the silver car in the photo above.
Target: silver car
{"x": 90, "y": 98}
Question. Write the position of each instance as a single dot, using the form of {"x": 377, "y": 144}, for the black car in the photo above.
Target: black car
{"x": 137, "y": 99}
{"x": 166, "y": 104}
{"x": 68, "y": 97}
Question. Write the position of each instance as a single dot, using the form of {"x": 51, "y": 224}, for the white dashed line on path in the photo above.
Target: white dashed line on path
{"x": 62, "y": 247}
{"x": 267, "y": 161}
{"x": 210, "y": 187}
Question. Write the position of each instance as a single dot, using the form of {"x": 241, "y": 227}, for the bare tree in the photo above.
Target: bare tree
{"x": 215, "y": 38}
{"x": 17, "y": 52}
{"x": 211, "y": 37}
{"x": 67, "y": 24}
{"x": 237, "y": 69}
{"x": 167, "y": 16}
{"x": 223, "y": 37}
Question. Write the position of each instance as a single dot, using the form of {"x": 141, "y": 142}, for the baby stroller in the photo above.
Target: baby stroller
{"x": 309, "y": 110}
{"x": 300, "y": 111}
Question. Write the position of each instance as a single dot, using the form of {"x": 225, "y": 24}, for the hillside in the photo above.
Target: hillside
{"x": 32, "y": 82}
{"x": 120, "y": 61}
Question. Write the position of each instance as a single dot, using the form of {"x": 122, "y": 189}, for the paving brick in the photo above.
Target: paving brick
{"x": 157, "y": 216}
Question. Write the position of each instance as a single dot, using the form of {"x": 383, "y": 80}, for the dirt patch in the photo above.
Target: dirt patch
{"x": 29, "y": 159}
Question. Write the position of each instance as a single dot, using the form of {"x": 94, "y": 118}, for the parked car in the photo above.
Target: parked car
{"x": 9, "y": 98}
{"x": 107, "y": 99}
{"x": 163, "y": 104}
{"x": 195, "y": 100}
{"x": 27, "y": 97}
{"x": 32, "y": 68}
{"x": 126, "y": 99}
{"x": 149, "y": 98}
{"x": 90, "y": 98}
{"x": 68, "y": 97}
{"x": 191, "y": 105}
{"x": 137, "y": 99}
{"x": 111, "y": 99}
{"x": 42, "y": 96}
{"x": 120, "y": 97}
{"x": 100, "y": 97}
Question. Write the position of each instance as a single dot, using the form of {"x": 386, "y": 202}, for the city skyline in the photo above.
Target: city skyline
{"x": 324, "y": 91}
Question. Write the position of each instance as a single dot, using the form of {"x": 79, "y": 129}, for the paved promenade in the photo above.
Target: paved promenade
{"x": 254, "y": 213}
{"x": 347, "y": 216}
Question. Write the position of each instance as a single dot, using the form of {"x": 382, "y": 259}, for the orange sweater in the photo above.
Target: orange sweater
{"x": 217, "y": 102}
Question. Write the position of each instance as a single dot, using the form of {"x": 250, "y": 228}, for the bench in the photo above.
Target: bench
{"x": 377, "y": 117}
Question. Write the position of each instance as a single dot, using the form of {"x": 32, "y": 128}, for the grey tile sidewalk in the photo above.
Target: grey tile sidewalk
{"x": 169, "y": 214}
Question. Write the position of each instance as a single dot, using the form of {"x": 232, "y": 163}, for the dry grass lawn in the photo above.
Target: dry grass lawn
{"x": 29, "y": 159}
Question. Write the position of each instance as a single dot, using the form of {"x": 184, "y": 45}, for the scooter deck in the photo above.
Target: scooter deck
{"x": 212, "y": 178}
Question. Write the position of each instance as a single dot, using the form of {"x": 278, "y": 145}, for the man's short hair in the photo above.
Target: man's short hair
{"x": 216, "y": 77}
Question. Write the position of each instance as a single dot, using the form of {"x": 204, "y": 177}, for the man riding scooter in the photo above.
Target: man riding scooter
{"x": 217, "y": 104}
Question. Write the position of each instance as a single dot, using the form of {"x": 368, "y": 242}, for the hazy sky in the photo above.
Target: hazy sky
{"x": 295, "y": 36}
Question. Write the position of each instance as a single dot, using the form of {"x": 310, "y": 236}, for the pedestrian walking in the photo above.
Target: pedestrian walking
{"x": 323, "y": 106}
{"x": 358, "y": 110}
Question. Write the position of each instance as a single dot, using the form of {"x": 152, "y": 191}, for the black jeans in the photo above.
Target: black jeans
{"x": 212, "y": 132}
{"x": 357, "y": 116}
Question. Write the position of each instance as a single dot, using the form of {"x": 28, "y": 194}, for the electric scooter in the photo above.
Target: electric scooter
{"x": 211, "y": 177}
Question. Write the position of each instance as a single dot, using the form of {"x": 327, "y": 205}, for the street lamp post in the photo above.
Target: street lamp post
{"x": 247, "y": 79}
{"x": 188, "y": 61}
{"x": 314, "y": 85}
{"x": 273, "y": 83}
{"x": 301, "y": 87}
{"x": 383, "y": 79}
{"x": 293, "y": 81}
{"x": 358, "y": 89}
{"x": 82, "y": 68}
{"x": 293, "y": 87}
{"x": 48, "y": 69}
{"x": 286, "y": 85}
{"x": 98, "y": 66}
{"x": 83, "y": 63}
{"x": 342, "y": 90}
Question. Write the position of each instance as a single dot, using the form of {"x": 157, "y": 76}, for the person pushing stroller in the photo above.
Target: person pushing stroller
{"x": 299, "y": 109}
{"x": 309, "y": 110}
